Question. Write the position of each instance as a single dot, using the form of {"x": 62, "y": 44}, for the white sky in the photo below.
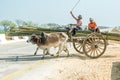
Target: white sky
{"x": 104, "y": 12}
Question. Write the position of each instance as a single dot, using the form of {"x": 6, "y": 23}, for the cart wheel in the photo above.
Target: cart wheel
{"x": 78, "y": 45}
{"x": 94, "y": 45}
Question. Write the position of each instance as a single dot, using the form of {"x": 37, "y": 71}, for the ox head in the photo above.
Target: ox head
{"x": 33, "y": 39}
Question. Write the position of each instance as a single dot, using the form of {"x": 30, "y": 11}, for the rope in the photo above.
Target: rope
{"x": 75, "y": 5}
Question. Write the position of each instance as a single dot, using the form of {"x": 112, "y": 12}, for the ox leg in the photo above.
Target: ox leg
{"x": 46, "y": 51}
{"x": 36, "y": 51}
{"x": 66, "y": 50}
{"x": 60, "y": 50}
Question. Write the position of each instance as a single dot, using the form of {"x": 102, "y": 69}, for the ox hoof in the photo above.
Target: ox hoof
{"x": 57, "y": 55}
{"x": 47, "y": 53}
{"x": 68, "y": 55}
{"x": 51, "y": 54}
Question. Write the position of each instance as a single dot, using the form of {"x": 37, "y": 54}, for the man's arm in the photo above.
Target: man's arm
{"x": 73, "y": 15}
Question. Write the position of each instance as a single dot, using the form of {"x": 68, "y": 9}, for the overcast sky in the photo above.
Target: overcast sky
{"x": 104, "y": 12}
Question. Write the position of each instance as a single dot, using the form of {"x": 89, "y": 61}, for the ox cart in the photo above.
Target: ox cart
{"x": 93, "y": 46}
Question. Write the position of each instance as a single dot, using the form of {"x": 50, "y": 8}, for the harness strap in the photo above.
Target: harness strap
{"x": 38, "y": 41}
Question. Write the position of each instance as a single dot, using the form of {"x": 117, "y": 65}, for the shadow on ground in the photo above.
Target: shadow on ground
{"x": 47, "y": 57}
{"x": 39, "y": 57}
{"x": 107, "y": 56}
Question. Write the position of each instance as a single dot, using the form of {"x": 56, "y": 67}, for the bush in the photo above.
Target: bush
{"x": 2, "y": 32}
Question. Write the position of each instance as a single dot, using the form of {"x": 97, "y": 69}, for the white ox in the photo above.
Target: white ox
{"x": 47, "y": 40}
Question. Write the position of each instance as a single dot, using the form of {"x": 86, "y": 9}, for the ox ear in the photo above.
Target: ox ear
{"x": 42, "y": 34}
{"x": 43, "y": 38}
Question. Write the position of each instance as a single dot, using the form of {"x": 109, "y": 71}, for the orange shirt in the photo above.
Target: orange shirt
{"x": 92, "y": 25}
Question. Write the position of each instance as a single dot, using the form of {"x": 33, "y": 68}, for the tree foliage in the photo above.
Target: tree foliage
{"x": 8, "y": 25}
{"x": 49, "y": 25}
{"x": 31, "y": 24}
{"x": 20, "y": 23}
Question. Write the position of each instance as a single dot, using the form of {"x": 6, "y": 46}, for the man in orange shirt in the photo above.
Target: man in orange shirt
{"x": 92, "y": 26}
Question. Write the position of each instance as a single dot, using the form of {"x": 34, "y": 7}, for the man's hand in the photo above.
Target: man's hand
{"x": 71, "y": 24}
{"x": 70, "y": 12}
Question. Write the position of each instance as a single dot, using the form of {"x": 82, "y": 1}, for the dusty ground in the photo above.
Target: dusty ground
{"x": 107, "y": 67}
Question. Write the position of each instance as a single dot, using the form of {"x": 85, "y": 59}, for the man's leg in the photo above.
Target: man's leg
{"x": 79, "y": 28}
{"x": 92, "y": 30}
{"x": 74, "y": 31}
{"x": 97, "y": 30}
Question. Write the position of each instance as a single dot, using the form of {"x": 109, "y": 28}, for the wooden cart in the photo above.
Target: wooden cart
{"x": 93, "y": 46}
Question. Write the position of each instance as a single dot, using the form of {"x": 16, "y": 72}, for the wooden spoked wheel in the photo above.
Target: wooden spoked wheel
{"x": 94, "y": 45}
{"x": 78, "y": 45}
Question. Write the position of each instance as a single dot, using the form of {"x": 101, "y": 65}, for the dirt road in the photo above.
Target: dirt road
{"x": 75, "y": 67}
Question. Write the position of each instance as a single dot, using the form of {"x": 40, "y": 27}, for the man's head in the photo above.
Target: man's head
{"x": 80, "y": 17}
{"x": 91, "y": 19}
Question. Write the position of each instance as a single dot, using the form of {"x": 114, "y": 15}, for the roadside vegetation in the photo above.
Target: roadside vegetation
{"x": 25, "y": 28}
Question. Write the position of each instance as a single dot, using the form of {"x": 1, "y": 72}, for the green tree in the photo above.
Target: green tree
{"x": 12, "y": 27}
{"x": 20, "y": 23}
{"x": 31, "y": 24}
{"x": 49, "y": 25}
{"x": 8, "y": 25}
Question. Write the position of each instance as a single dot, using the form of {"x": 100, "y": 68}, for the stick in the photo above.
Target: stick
{"x": 75, "y": 5}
